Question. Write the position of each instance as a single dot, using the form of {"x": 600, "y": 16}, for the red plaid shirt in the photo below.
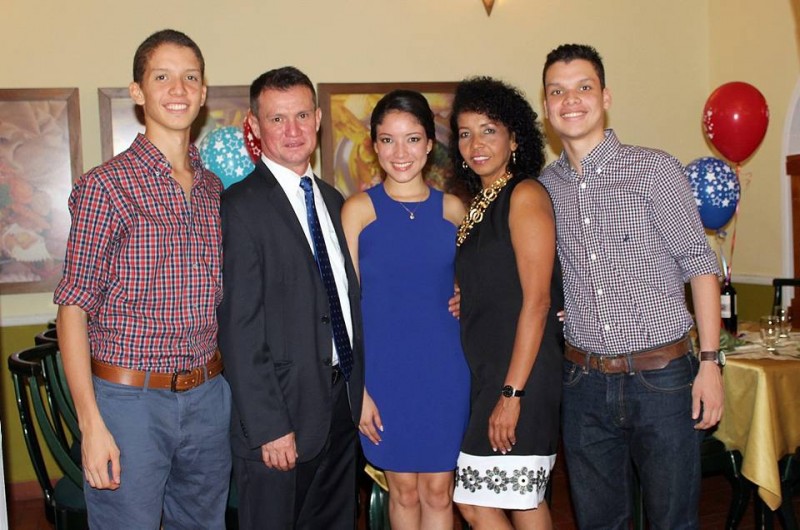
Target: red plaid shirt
{"x": 144, "y": 263}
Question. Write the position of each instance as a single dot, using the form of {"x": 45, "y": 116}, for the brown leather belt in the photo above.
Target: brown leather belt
{"x": 175, "y": 381}
{"x": 653, "y": 359}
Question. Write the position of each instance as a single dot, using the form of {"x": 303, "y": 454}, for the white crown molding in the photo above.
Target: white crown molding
{"x": 26, "y": 320}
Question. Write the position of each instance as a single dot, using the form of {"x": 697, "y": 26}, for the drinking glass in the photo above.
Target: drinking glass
{"x": 770, "y": 331}
{"x": 785, "y": 319}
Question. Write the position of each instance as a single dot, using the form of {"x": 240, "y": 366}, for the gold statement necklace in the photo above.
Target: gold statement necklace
{"x": 478, "y": 206}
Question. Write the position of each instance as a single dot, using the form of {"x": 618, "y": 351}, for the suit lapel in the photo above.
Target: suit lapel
{"x": 284, "y": 213}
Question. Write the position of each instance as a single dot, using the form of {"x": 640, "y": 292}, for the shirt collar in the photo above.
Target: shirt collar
{"x": 597, "y": 157}
{"x": 152, "y": 158}
{"x": 285, "y": 176}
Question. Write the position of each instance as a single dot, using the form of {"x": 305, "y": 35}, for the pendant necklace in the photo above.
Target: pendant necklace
{"x": 410, "y": 212}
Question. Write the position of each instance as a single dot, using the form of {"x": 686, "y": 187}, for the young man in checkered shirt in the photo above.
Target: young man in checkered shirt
{"x": 136, "y": 320}
{"x": 629, "y": 237}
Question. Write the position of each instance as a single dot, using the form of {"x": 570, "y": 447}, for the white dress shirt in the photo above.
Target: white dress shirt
{"x": 290, "y": 183}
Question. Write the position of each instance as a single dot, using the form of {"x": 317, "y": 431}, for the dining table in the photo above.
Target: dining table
{"x": 761, "y": 418}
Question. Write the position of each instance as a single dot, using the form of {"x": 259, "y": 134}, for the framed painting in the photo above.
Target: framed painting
{"x": 348, "y": 159}
{"x": 121, "y": 119}
{"x": 40, "y": 157}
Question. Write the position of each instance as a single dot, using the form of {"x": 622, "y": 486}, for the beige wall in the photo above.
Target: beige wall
{"x": 657, "y": 53}
{"x": 663, "y": 58}
{"x": 757, "y": 42}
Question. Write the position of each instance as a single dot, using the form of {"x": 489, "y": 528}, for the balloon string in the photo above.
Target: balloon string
{"x": 726, "y": 268}
{"x": 720, "y": 238}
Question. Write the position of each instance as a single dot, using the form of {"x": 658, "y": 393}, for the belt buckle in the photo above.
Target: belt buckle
{"x": 601, "y": 363}
{"x": 174, "y": 382}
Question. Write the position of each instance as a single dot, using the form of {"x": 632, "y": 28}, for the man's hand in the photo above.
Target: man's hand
{"x": 707, "y": 395}
{"x": 98, "y": 448}
{"x": 281, "y": 453}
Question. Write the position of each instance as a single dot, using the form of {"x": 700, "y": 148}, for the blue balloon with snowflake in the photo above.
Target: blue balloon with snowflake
{"x": 716, "y": 190}
{"x": 223, "y": 152}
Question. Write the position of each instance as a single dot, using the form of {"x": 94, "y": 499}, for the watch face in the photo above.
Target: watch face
{"x": 508, "y": 391}
{"x": 721, "y": 358}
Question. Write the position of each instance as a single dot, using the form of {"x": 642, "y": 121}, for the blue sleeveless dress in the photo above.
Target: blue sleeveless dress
{"x": 415, "y": 368}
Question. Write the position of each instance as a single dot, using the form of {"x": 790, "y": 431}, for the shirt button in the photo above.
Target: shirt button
{"x": 593, "y": 256}
{"x": 600, "y": 292}
{"x": 606, "y": 327}
{"x": 583, "y": 185}
{"x": 599, "y": 170}
{"x": 586, "y": 221}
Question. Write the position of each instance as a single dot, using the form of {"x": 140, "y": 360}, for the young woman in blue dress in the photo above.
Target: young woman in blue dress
{"x": 401, "y": 235}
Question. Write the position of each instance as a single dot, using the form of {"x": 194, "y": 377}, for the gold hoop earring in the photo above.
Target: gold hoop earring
{"x": 464, "y": 164}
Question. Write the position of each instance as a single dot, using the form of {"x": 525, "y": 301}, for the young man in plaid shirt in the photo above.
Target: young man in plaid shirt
{"x": 136, "y": 319}
{"x": 629, "y": 237}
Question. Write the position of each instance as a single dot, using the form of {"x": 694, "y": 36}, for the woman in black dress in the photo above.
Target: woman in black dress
{"x": 510, "y": 284}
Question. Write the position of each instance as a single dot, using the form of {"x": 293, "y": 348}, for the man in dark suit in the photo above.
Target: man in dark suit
{"x": 290, "y": 324}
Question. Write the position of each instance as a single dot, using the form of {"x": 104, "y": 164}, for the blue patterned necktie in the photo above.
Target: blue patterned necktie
{"x": 340, "y": 337}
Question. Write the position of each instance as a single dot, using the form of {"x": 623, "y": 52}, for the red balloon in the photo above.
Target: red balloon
{"x": 735, "y": 120}
{"x": 251, "y": 142}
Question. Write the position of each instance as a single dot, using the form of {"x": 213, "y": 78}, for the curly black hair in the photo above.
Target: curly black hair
{"x": 505, "y": 104}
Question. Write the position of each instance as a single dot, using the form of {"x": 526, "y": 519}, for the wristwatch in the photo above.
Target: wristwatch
{"x": 717, "y": 356}
{"x": 509, "y": 391}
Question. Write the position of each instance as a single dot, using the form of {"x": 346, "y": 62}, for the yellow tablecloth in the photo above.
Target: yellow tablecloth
{"x": 762, "y": 414}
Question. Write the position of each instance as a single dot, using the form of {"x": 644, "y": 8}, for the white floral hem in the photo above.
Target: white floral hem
{"x": 510, "y": 482}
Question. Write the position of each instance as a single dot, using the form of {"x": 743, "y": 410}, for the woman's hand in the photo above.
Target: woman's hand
{"x": 370, "y": 423}
{"x": 503, "y": 424}
{"x": 454, "y": 304}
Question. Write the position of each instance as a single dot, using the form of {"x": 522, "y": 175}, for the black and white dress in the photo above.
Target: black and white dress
{"x": 491, "y": 299}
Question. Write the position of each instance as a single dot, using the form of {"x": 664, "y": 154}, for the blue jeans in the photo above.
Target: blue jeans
{"x": 612, "y": 422}
{"x": 175, "y": 457}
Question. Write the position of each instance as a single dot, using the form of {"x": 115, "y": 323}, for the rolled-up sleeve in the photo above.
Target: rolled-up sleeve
{"x": 677, "y": 219}
{"x": 89, "y": 247}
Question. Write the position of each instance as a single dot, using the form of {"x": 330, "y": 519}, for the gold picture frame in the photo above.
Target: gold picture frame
{"x": 348, "y": 159}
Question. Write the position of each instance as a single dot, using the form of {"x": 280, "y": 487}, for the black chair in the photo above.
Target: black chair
{"x": 714, "y": 459}
{"x": 790, "y": 485}
{"x": 64, "y": 502}
{"x": 44, "y": 363}
{"x": 778, "y": 284}
{"x": 58, "y": 397}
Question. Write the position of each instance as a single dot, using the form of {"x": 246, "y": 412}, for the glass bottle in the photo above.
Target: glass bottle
{"x": 728, "y": 305}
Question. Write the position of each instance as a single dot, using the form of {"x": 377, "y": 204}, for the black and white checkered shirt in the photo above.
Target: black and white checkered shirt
{"x": 629, "y": 237}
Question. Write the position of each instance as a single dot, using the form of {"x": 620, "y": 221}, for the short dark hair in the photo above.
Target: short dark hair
{"x": 408, "y": 101}
{"x": 505, "y": 104}
{"x": 569, "y": 52}
{"x": 165, "y": 36}
{"x": 282, "y": 79}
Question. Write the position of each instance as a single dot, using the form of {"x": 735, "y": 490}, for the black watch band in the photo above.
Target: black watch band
{"x": 509, "y": 391}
